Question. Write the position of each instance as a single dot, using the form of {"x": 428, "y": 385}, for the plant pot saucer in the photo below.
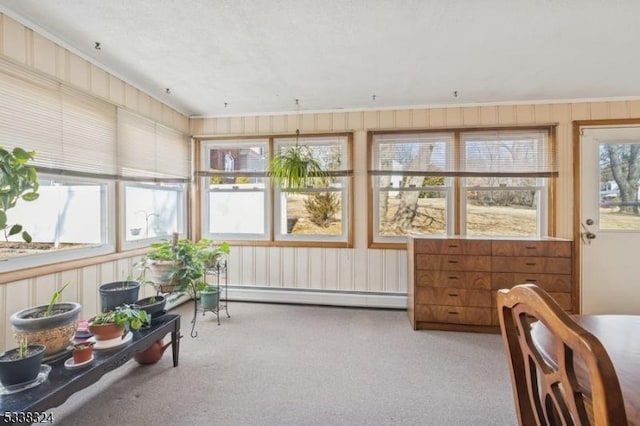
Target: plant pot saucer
{"x": 70, "y": 364}
{"x": 57, "y": 356}
{"x": 111, "y": 343}
{"x": 42, "y": 376}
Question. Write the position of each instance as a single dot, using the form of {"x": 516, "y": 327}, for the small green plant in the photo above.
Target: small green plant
{"x": 18, "y": 181}
{"x": 23, "y": 344}
{"x": 123, "y": 316}
{"x": 83, "y": 345}
{"x": 54, "y": 298}
{"x": 322, "y": 206}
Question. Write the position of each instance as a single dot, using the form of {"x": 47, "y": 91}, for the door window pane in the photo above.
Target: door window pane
{"x": 619, "y": 179}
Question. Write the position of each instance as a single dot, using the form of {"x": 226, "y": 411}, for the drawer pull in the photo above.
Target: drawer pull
{"x": 453, "y": 295}
{"x": 531, "y": 280}
{"x": 530, "y": 263}
{"x": 452, "y": 246}
{"x": 452, "y": 277}
{"x": 453, "y": 313}
{"x": 531, "y": 247}
{"x": 453, "y": 261}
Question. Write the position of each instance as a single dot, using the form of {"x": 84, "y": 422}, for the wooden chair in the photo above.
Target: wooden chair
{"x": 574, "y": 383}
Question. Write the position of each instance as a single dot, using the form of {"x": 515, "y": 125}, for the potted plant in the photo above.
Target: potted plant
{"x": 152, "y": 305}
{"x": 18, "y": 181}
{"x": 209, "y": 297}
{"x": 295, "y": 168}
{"x": 118, "y": 322}
{"x": 82, "y": 352}
{"x": 52, "y": 325}
{"x": 118, "y": 293}
{"x": 21, "y": 364}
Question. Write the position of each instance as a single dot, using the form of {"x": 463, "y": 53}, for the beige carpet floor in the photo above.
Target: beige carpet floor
{"x": 272, "y": 364}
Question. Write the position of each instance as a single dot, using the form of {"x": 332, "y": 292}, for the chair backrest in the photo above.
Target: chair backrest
{"x": 570, "y": 379}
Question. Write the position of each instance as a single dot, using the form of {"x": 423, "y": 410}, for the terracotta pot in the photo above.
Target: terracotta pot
{"x": 106, "y": 331}
{"x": 84, "y": 354}
{"x": 153, "y": 353}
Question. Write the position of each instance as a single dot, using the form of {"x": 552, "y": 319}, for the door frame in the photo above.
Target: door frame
{"x": 577, "y": 206}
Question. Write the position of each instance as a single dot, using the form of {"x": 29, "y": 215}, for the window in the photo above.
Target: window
{"x": 69, "y": 220}
{"x": 234, "y": 190}
{"x": 484, "y": 182}
{"x": 238, "y": 202}
{"x": 83, "y": 147}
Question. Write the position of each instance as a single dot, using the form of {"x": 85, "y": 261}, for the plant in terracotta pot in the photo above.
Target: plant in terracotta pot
{"x": 21, "y": 364}
{"x": 82, "y": 352}
{"x": 118, "y": 322}
{"x": 52, "y": 325}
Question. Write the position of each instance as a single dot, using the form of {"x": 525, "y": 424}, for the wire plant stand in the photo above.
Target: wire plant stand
{"x": 215, "y": 276}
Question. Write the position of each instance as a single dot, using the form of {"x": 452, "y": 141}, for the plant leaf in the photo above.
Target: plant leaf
{"x": 3, "y": 219}
{"x": 15, "y": 229}
{"x": 30, "y": 196}
{"x": 26, "y": 237}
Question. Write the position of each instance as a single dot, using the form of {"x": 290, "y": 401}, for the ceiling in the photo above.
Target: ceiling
{"x": 241, "y": 57}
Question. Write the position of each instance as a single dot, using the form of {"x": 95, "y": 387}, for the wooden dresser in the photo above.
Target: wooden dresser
{"x": 452, "y": 282}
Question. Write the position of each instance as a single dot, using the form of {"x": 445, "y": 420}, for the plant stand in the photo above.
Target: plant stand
{"x": 218, "y": 276}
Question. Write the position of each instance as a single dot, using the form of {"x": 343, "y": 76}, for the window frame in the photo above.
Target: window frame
{"x": 272, "y": 196}
{"x": 457, "y": 212}
{"x": 56, "y": 256}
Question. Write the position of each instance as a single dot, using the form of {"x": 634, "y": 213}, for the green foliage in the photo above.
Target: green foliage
{"x": 123, "y": 316}
{"x": 23, "y": 344}
{"x": 242, "y": 179}
{"x": 18, "y": 181}
{"x": 54, "y": 298}
{"x": 190, "y": 259}
{"x": 216, "y": 180}
{"x": 322, "y": 206}
{"x": 295, "y": 169}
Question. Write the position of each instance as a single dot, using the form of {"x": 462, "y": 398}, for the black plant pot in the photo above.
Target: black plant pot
{"x": 14, "y": 370}
{"x": 118, "y": 293}
{"x": 153, "y": 305}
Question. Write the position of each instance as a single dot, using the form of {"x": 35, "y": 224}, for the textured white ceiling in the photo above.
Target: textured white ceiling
{"x": 258, "y": 56}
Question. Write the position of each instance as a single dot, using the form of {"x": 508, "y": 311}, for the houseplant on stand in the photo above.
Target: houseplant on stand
{"x": 118, "y": 293}
{"x": 52, "y": 325}
{"x": 118, "y": 322}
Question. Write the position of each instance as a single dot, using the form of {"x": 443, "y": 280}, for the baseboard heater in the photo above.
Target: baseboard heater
{"x": 310, "y": 297}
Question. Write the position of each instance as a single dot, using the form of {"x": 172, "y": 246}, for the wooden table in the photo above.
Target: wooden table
{"x": 620, "y": 335}
{"x": 62, "y": 382}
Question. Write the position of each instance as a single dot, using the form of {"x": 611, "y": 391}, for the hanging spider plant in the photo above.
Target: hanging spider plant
{"x": 296, "y": 168}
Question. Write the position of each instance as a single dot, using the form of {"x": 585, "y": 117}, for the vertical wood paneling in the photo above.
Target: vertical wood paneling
{"x": 289, "y": 265}
{"x": 5, "y": 312}
{"x": 375, "y": 270}
{"x": 331, "y": 269}
{"x": 250, "y": 125}
{"x": 390, "y": 271}
{"x": 275, "y": 267}
{"x": 72, "y": 292}
{"x": 453, "y": 117}
{"x": 42, "y": 292}
{"x": 346, "y": 268}
{"x": 634, "y": 109}
{"x": 116, "y": 90}
{"x": 471, "y": 116}
{"x": 402, "y": 271}
{"x": 16, "y": 297}
{"x": 386, "y": 119}
{"x": 89, "y": 294}
{"x": 44, "y": 54}
{"x": 339, "y": 121}
{"x": 131, "y": 98}
{"x": 14, "y": 39}
{"x": 262, "y": 261}
{"x": 542, "y": 113}
{"x": 370, "y": 120}
{"x": 247, "y": 273}
{"x": 100, "y": 82}
{"x": 436, "y": 117}
{"x": 355, "y": 120}
{"x": 488, "y": 115}
{"x": 325, "y": 122}
{"x": 599, "y": 110}
{"x": 144, "y": 104}
{"x": 419, "y": 118}
{"x": 235, "y": 125}
{"x": 79, "y": 72}
{"x": 301, "y": 257}
{"x": 403, "y": 118}
{"x": 580, "y": 111}
{"x": 279, "y": 124}
{"x": 264, "y": 125}
{"x": 525, "y": 114}
{"x": 618, "y": 110}
{"x": 317, "y": 270}
{"x": 506, "y": 114}
{"x": 308, "y": 123}
{"x": 61, "y": 63}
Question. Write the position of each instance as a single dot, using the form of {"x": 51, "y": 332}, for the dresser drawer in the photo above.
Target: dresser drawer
{"x": 549, "y": 282}
{"x": 454, "y": 315}
{"x": 532, "y": 248}
{"x": 454, "y": 279}
{"x": 534, "y": 265}
{"x": 453, "y": 297}
{"x": 440, "y": 262}
{"x": 453, "y": 246}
